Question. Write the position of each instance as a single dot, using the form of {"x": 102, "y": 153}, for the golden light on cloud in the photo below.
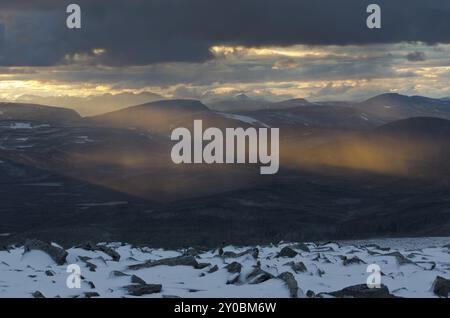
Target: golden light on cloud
{"x": 297, "y": 51}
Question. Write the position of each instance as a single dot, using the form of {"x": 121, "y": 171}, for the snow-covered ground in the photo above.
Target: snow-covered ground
{"x": 408, "y": 269}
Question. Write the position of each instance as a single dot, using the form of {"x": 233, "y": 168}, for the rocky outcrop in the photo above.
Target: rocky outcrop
{"x": 258, "y": 276}
{"x": 297, "y": 267}
{"x": 287, "y": 252}
{"x": 441, "y": 287}
{"x": 362, "y": 291}
{"x": 102, "y": 248}
{"x": 173, "y": 261}
{"x": 142, "y": 289}
{"x": 254, "y": 252}
{"x": 56, "y": 253}
{"x": 234, "y": 267}
{"x": 350, "y": 261}
{"x": 291, "y": 283}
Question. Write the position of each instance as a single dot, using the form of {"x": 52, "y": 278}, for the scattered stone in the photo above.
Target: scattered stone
{"x": 234, "y": 280}
{"x": 143, "y": 289}
{"x": 310, "y": 294}
{"x": 174, "y": 261}
{"x": 297, "y": 267}
{"x": 56, "y": 253}
{"x": 401, "y": 259}
{"x": 301, "y": 246}
{"x": 50, "y": 273}
{"x": 102, "y": 248}
{"x": 287, "y": 252}
{"x": 291, "y": 283}
{"x": 91, "y": 294}
{"x": 170, "y": 296}
{"x": 37, "y": 294}
{"x": 351, "y": 261}
{"x": 117, "y": 274}
{"x": 137, "y": 280}
{"x": 362, "y": 291}
{"x": 441, "y": 287}
{"x": 258, "y": 276}
{"x": 213, "y": 269}
{"x": 91, "y": 284}
{"x": 234, "y": 267}
{"x": 320, "y": 272}
{"x": 254, "y": 252}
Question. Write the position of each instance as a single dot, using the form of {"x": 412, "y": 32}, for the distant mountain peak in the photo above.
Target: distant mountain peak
{"x": 242, "y": 97}
{"x": 174, "y": 104}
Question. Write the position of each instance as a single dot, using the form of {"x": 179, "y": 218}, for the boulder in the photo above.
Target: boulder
{"x": 56, "y": 253}
{"x": 183, "y": 260}
{"x": 213, "y": 269}
{"x": 441, "y": 287}
{"x": 350, "y": 261}
{"x": 143, "y": 289}
{"x": 137, "y": 280}
{"x": 297, "y": 267}
{"x": 234, "y": 267}
{"x": 37, "y": 294}
{"x": 301, "y": 246}
{"x": 362, "y": 291}
{"x": 401, "y": 259}
{"x": 102, "y": 248}
{"x": 258, "y": 276}
{"x": 287, "y": 252}
{"x": 291, "y": 283}
{"x": 254, "y": 252}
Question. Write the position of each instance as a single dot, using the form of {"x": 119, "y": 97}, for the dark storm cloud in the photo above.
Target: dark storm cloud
{"x": 416, "y": 56}
{"x": 139, "y": 32}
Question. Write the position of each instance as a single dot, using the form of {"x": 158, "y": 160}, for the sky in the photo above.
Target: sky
{"x": 213, "y": 49}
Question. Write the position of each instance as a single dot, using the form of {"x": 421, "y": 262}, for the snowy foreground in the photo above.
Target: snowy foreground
{"x": 409, "y": 268}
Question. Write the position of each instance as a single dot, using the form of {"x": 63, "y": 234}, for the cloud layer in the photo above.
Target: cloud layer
{"x": 141, "y": 32}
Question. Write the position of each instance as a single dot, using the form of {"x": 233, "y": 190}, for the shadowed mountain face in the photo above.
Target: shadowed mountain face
{"x": 344, "y": 174}
{"x": 12, "y": 111}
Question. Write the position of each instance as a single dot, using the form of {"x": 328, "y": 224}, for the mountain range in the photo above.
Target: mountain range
{"x": 348, "y": 170}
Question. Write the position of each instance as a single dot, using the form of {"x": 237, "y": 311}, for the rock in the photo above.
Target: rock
{"x": 291, "y": 283}
{"x": 258, "y": 276}
{"x": 91, "y": 294}
{"x": 297, "y": 267}
{"x": 56, "y": 253}
{"x": 174, "y": 261}
{"x": 50, "y": 273}
{"x": 362, "y": 291}
{"x": 301, "y": 246}
{"x": 143, "y": 289}
{"x": 213, "y": 269}
{"x": 37, "y": 294}
{"x": 117, "y": 274}
{"x": 320, "y": 272}
{"x": 441, "y": 287}
{"x": 310, "y": 294}
{"x": 234, "y": 280}
{"x": 401, "y": 259}
{"x": 92, "y": 267}
{"x": 254, "y": 252}
{"x": 137, "y": 280}
{"x": 91, "y": 284}
{"x": 102, "y": 248}
{"x": 234, "y": 267}
{"x": 351, "y": 261}
{"x": 287, "y": 252}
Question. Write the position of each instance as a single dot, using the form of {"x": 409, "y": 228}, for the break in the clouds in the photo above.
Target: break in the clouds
{"x": 140, "y": 32}
{"x": 209, "y": 49}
